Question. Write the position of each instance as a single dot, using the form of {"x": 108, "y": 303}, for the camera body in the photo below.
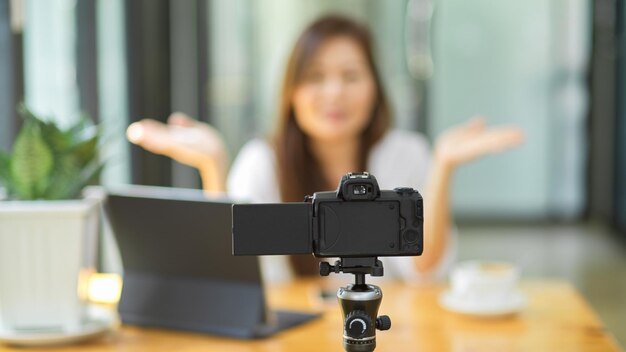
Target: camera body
{"x": 358, "y": 220}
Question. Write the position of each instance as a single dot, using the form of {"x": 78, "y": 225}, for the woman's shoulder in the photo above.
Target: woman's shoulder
{"x": 402, "y": 141}
{"x": 400, "y": 158}
{"x": 256, "y": 148}
{"x": 252, "y": 175}
{"x": 406, "y": 137}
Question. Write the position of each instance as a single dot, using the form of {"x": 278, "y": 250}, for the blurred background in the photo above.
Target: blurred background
{"x": 556, "y": 206}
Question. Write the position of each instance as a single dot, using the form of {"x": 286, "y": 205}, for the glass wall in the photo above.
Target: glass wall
{"x": 522, "y": 63}
{"x": 113, "y": 88}
{"x": 50, "y": 59}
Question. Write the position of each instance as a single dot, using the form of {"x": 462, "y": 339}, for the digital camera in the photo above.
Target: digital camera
{"x": 356, "y": 221}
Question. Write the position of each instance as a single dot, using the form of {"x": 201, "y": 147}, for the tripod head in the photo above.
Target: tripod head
{"x": 359, "y": 302}
{"x": 359, "y": 265}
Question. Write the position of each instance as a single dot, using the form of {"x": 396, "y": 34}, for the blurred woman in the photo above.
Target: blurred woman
{"x": 334, "y": 118}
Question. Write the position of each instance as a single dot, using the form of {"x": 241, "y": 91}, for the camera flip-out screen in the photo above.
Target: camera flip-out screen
{"x": 272, "y": 229}
{"x": 358, "y": 220}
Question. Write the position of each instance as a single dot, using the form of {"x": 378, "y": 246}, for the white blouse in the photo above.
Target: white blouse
{"x": 399, "y": 159}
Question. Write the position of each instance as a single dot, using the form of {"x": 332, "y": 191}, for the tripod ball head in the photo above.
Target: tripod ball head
{"x": 360, "y": 303}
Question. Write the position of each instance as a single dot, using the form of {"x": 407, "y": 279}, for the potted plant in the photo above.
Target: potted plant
{"x": 47, "y": 232}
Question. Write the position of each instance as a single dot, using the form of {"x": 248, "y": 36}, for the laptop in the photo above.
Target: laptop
{"x": 179, "y": 271}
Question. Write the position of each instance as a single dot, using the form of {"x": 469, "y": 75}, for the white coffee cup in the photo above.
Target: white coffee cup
{"x": 484, "y": 282}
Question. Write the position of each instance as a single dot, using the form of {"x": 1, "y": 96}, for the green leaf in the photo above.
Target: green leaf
{"x": 5, "y": 171}
{"x": 71, "y": 175}
{"x": 32, "y": 162}
{"x": 88, "y": 175}
{"x": 52, "y": 134}
{"x": 63, "y": 177}
{"x": 55, "y": 138}
{"x": 86, "y": 145}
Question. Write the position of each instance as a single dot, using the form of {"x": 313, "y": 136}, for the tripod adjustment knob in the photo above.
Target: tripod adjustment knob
{"x": 357, "y": 324}
{"x": 383, "y": 322}
{"x": 325, "y": 268}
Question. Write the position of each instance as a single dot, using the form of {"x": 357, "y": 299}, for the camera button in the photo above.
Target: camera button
{"x": 404, "y": 190}
{"x": 410, "y": 236}
{"x": 419, "y": 209}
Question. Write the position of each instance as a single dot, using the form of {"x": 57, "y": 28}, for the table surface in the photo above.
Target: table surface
{"x": 556, "y": 318}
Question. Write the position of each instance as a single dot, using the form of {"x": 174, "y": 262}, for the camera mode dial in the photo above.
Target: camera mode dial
{"x": 404, "y": 190}
{"x": 357, "y": 324}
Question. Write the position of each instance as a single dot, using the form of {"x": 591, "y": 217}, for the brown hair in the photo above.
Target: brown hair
{"x": 299, "y": 173}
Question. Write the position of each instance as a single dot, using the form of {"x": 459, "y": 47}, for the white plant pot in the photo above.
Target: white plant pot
{"x": 44, "y": 247}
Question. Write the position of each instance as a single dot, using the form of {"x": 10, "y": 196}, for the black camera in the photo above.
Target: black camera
{"x": 357, "y": 221}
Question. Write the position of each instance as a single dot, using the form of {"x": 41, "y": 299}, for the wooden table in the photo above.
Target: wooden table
{"x": 556, "y": 319}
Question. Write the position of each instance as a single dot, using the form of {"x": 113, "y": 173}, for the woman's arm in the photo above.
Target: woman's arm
{"x": 187, "y": 141}
{"x": 436, "y": 216}
{"x": 455, "y": 146}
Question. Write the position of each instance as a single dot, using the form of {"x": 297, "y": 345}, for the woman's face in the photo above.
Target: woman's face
{"x": 336, "y": 94}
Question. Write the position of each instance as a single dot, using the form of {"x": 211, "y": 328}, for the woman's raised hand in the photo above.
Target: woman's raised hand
{"x": 474, "y": 139}
{"x": 187, "y": 141}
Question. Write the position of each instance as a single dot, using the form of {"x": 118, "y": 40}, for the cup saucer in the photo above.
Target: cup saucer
{"x": 452, "y": 302}
{"x": 98, "y": 321}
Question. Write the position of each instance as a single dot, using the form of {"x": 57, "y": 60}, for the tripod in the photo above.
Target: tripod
{"x": 359, "y": 302}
